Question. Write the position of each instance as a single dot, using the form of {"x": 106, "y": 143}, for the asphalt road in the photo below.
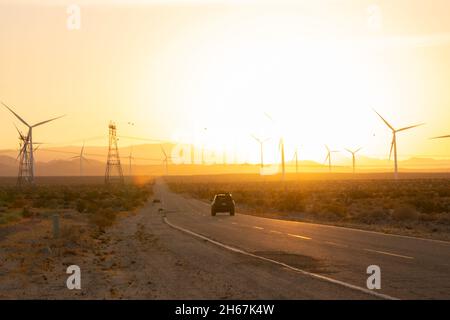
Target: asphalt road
{"x": 411, "y": 268}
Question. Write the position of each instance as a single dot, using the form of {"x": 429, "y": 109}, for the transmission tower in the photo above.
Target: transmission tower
{"x": 113, "y": 167}
{"x": 26, "y": 174}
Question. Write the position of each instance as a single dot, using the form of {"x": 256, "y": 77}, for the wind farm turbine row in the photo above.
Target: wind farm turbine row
{"x": 393, "y": 148}
{"x": 27, "y": 149}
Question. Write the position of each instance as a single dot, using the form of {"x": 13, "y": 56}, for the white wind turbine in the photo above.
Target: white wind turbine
{"x": 29, "y": 143}
{"x": 394, "y": 141}
{"x": 280, "y": 147}
{"x": 165, "y": 160}
{"x": 296, "y": 160}
{"x": 261, "y": 146}
{"x": 82, "y": 159}
{"x": 353, "y": 157}
{"x": 130, "y": 159}
{"x": 328, "y": 158}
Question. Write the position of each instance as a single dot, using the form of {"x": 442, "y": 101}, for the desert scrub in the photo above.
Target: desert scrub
{"x": 103, "y": 218}
{"x": 81, "y": 198}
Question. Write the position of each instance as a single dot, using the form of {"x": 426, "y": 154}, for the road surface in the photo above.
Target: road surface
{"x": 331, "y": 261}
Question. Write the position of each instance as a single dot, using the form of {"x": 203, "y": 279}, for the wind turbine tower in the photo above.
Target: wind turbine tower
{"x": 353, "y": 158}
{"x": 130, "y": 159}
{"x": 283, "y": 166}
{"x": 394, "y": 141}
{"x": 113, "y": 161}
{"x": 296, "y": 160}
{"x": 165, "y": 161}
{"x": 26, "y": 165}
{"x": 261, "y": 146}
{"x": 82, "y": 159}
{"x": 328, "y": 158}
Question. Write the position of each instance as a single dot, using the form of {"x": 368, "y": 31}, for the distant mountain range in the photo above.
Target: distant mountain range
{"x": 147, "y": 159}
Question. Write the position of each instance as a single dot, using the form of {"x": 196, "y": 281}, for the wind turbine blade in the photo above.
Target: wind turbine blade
{"x": 387, "y": 123}
{"x": 20, "y": 133}
{"x": 328, "y": 149}
{"x": 46, "y": 121}
{"x": 410, "y": 127}
{"x": 21, "y": 151}
{"x": 268, "y": 116}
{"x": 18, "y": 117}
{"x": 392, "y": 147}
{"x": 257, "y": 139}
{"x": 326, "y": 159}
{"x": 163, "y": 151}
{"x": 441, "y": 137}
{"x": 357, "y": 150}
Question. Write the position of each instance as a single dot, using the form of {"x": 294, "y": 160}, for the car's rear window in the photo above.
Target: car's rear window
{"x": 223, "y": 197}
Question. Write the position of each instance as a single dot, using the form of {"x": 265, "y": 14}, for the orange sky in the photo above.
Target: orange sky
{"x": 316, "y": 67}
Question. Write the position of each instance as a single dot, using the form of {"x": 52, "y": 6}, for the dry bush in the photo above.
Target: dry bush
{"x": 103, "y": 218}
{"x": 373, "y": 215}
{"x": 405, "y": 212}
{"x": 26, "y": 212}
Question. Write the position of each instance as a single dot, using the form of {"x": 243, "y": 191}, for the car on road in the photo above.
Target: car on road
{"x": 223, "y": 202}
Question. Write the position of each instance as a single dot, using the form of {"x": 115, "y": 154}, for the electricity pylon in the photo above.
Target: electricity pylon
{"x": 113, "y": 162}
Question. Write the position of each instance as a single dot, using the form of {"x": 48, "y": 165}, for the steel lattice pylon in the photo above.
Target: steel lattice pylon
{"x": 113, "y": 168}
{"x": 26, "y": 170}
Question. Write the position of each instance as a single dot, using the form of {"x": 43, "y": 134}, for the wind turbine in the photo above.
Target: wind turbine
{"x": 394, "y": 141}
{"x": 283, "y": 167}
{"x": 26, "y": 169}
{"x": 130, "y": 159}
{"x": 280, "y": 146}
{"x": 353, "y": 157}
{"x": 328, "y": 158}
{"x": 82, "y": 158}
{"x": 165, "y": 160}
{"x": 296, "y": 160}
{"x": 261, "y": 144}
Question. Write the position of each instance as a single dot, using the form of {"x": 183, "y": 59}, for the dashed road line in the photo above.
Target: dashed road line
{"x": 299, "y": 236}
{"x": 390, "y": 254}
{"x": 256, "y": 227}
{"x": 313, "y": 275}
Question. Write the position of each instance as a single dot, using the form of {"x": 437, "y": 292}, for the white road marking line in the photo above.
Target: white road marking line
{"x": 298, "y": 236}
{"x": 259, "y": 228}
{"x": 389, "y": 254}
{"x": 274, "y": 231}
{"x": 314, "y": 275}
{"x": 235, "y": 223}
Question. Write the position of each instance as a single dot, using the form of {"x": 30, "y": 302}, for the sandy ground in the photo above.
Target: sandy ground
{"x": 140, "y": 257}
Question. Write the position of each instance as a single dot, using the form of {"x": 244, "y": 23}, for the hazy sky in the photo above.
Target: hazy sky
{"x": 176, "y": 67}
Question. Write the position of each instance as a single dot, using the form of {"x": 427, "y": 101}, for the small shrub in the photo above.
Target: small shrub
{"x": 103, "y": 219}
{"x": 81, "y": 206}
{"x": 26, "y": 212}
{"x": 405, "y": 213}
